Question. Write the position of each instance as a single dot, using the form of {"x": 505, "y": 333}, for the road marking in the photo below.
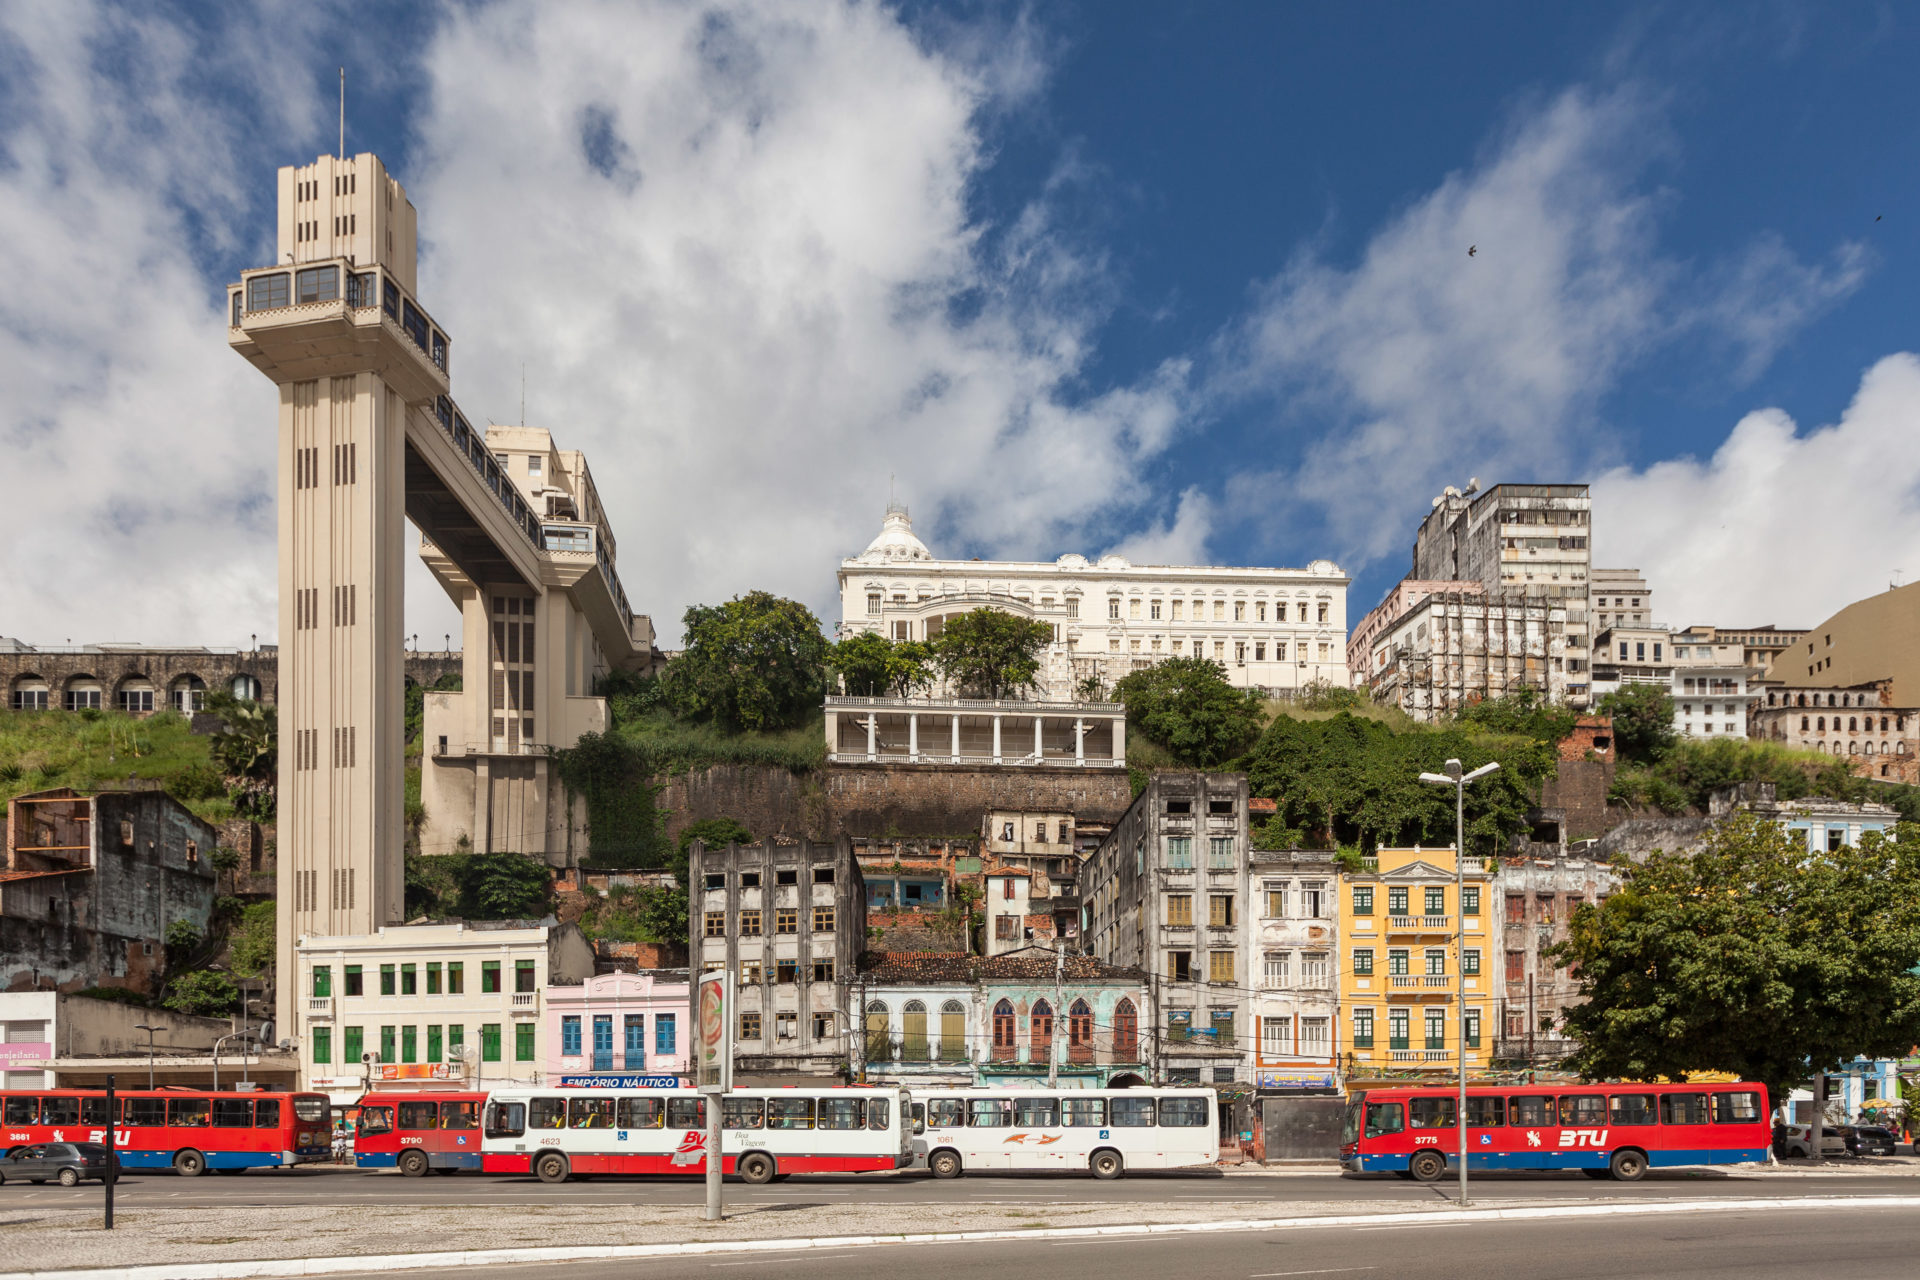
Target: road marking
{"x": 760, "y": 1262}
{"x": 1416, "y": 1226}
{"x": 1323, "y": 1271}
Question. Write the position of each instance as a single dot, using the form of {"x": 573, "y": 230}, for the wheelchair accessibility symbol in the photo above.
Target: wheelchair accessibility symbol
{"x": 1486, "y": 1139}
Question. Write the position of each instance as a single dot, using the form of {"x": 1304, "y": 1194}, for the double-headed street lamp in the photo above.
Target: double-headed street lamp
{"x": 141, "y": 1026}
{"x": 1454, "y": 778}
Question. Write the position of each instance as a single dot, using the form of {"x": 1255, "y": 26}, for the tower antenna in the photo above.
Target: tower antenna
{"x": 343, "y": 113}
{"x": 523, "y": 393}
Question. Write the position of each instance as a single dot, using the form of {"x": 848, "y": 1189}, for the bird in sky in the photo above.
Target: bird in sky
{"x": 1878, "y": 216}
{"x": 1474, "y": 248}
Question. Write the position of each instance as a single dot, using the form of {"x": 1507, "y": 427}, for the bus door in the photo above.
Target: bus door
{"x": 1585, "y": 1132}
{"x": 1533, "y": 1134}
{"x": 374, "y": 1143}
{"x": 1487, "y": 1146}
{"x": 456, "y": 1144}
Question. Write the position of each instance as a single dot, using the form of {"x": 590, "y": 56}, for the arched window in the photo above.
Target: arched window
{"x": 31, "y": 693}
{"x": 913, "y": 1022}
{"x": 1040, "y": 1031}
{"x": 1079, "y": 1032}
{"x": 1830, "y": 701}
{"x": 245, "y": 688}
{"x": 1867, "y": 749}
{"x": 879, "y": 1038}
{"x": 1803, "y": 724}
{"x": 1823, "y": 724}
{"x": 953, "y": 1032}
{"x": 1803, "y": 699}
{"x": 187, "y": 694}
{"x": 1003, "y": 1031}
{"x": 1853, "y": 748}
{"x": 1883, "y": 770}
{"x": 1853, "y": 724}
{"x": 1820, "y": 746}
{"x": 1126, "y": 1032}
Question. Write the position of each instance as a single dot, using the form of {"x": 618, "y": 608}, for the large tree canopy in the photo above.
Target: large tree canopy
{"x": 1187, "y": 705}
{"x": 990, "y": 653}
{"x": 1756, "y": 956}
{"x": 1642, "y": 720}
{"x": 873, "y": 666}
{"x": 756, "y": 662}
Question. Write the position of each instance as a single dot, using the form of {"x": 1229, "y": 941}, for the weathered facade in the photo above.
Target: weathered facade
{"x": 789, "y": 922}
{"x": 973, "y": 1020}
{"x": 1457, "y": 647}
{"x": 1295, "y": 939}
{"x": 1536, "y": 897}
{"x": 1165, "y": 893}
{"x": 92, "y": 883}
{"x": 1878, "y": 737}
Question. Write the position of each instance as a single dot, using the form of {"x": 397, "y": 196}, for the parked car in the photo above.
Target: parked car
{"x": 1797, "y": 1140}
{"x": 66, "y": 1162}
{"x": 1871, "y": 1140}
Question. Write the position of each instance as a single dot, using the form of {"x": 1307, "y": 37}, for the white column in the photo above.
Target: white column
{"x": 956, "y": 737}
{"x": 1039, "y": 743}
{"x": 1079, "y": 740}
{"x": 873, "y": 731}
{"x": 996, "y": 739}
{"x": 913, "y": 736}
{"x": 1120, "y": 741}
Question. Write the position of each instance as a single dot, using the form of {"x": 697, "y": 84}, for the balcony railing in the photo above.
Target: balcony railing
{"x": 1420, "y": 924}
{"x": 320, "y": 1006}
{"x": 1403, "y": 980}
{"x": 1435, "y": 980}
{"x": 526, "y": 999}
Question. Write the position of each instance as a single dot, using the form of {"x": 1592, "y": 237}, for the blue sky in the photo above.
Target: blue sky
{"x": 1188, "y": 281}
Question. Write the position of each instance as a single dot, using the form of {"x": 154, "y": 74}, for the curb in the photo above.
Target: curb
{"x": 246, "y": 1269}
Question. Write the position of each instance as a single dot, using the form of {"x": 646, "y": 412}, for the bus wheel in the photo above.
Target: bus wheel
{"x": 1628, "y": 1166}
{"x": 944, "y": 1164}
{"x": 551, "y": 1167}
{"x": 756, "y": 1167}
{"x": 1106, "y": 1165}
{"x": 1428, "y": 1166}
{"x": 413, "y": 1163}
{"x": 189, "y": 1163}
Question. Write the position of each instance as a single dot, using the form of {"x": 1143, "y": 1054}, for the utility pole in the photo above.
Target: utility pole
{"x": 113, "y": 1157}
{"x": 1818, "y": 1128}
{"x": 1059, "y": 1004}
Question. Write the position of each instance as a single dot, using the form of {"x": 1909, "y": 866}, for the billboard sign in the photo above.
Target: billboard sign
{"x": 713, "y": 1033}
{"x": 619, "y": 1082}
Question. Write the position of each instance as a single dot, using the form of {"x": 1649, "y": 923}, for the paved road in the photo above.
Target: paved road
{"x": 1858, "y": 1244}
{"x": 334, "y": 1186}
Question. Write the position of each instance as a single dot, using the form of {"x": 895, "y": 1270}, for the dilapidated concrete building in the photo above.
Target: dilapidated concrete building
{"x": 1536, "y": 896}
{"x": 91, "y": 884}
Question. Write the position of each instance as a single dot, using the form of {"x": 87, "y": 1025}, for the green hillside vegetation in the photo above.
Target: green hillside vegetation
{"x": 93, "y": 750}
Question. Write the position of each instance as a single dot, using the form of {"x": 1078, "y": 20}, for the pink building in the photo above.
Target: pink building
{"x": 619, "y": 1023}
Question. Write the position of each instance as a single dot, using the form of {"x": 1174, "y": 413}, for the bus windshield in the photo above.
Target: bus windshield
{"x": 1350, "y": 1121}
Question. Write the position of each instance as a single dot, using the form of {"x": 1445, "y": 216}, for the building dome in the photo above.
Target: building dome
{"x": 896, "y": 541}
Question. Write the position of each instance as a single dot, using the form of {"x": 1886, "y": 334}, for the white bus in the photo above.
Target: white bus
{"x": 556, "y": 1134}
{"x": 1103, "y": 1131}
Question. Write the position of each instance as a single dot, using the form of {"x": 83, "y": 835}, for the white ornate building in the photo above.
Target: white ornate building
{"x": 1272, "y": 629}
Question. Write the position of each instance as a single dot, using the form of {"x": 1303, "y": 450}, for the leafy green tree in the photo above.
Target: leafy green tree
{"x": 181, "y": 936}
{"x": 755, "y": 662}
{"x": 990, "y": 653}
{"x": 718, "y": 833}
{"x": 1642, "y": 720}
{"x": 614, "y": 774}
{"x": 250, "y": 947}
{"x": 1755, "y": 955}
{"x": 661, "y": 914}
{"x": 861, "y": 660}
{"x": 631, "y": 695}
{"x": 225, "y": 862}
{"x": 203, "y": 992}
{"x": 246, "y": 753}
{"x": 1187, "y": 706}
{"x": 504, "y": 886}
{"x": 1526, "y": 711}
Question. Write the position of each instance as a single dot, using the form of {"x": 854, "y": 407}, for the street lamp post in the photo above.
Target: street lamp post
{"x": 1454, "y": 778}
{"x": 141, "y": 1026}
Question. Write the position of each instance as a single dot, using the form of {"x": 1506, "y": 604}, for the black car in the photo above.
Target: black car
{"x": 66, "y": 1162}
{"x": 1872, "y": 1140}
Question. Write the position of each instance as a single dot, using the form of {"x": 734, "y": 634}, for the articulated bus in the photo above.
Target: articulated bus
{"x": 766, "y": 1133}
{"x": 415, "y": 1132}
{"x": 187, "y": 1130}
{"x": 1600, "y": 1129}
{"x": 1104, "y": 1132}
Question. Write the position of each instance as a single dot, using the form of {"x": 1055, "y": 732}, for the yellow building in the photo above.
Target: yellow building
{"x": 1398, "y": 917}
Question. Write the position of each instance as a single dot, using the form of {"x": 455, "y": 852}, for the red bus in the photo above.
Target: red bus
{"x": 415, "y": 1132}
{"x": 186, "y": 1130}
{"x": 1600, "y": 1129}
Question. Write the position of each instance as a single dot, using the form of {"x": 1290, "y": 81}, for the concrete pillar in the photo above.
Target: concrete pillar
{"x": 996, "y": 739}
{"x": 1120, "y": 741}
{"x": 833, "y": 733}
{"x": 873, "y": 733}
{"x": 913, "y": 736}
{"x": 956, "y": 737}
{"x": 1079, "y": 740}
{"x": 1039, "y": 742}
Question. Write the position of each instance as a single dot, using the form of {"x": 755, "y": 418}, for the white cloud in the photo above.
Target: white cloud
{"x": 1777, "y": 526}
{"x": 1184, "y": 541}
{"x": 1430, "y": 365}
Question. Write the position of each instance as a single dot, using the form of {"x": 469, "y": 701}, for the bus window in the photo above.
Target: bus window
{"x": 546, "y": 1113}
{"x": 20, "y": 1110}
{"x": 878, "y": 1111}
{"x": 841, "y": 1113}
{"x": 504, "y": 1119}
{"x": 1530, "y": 1112}
{"x": 419, "y": 1115}
{"x": 1631, "y": 1108}
{"x": 1083, "y": 1113}
{"x": 372, "y": 1119}
{"x": 1430, "y": 1113}
{"x": 1486, "y": 1113}
{"x": 266, "y": 1113}
{"x": 789, "y": 1113}
{"x": 146, "y": 1112}
{"x": 1183, "y": 1113}
{"x": 990, "y": 1113}
{"x": 946, "y": 1113}
{"x": 1384, "y": 1118}
{"x": 590, "y": 1113}
{"x": 1036, "y": 1113}
{"x": 232, "y": 1113}
{"x": 1736, "y": 1108}
{"x": 309, "y": 1108}
{"x": 641, "y": 1113}
{"x": 1683, "y": 1108}
{"x": 1581, "y": 1109}
{"x": 742, "y": 1113}
{"x": 93, "y": 1110}
{"x": 60, "y": 1111}
{"x": 1131, "y": 1113}
{"x": 459, "y": 1115}
{"x": 188, "y": 1113}
{"x": 686, "y": 1113}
